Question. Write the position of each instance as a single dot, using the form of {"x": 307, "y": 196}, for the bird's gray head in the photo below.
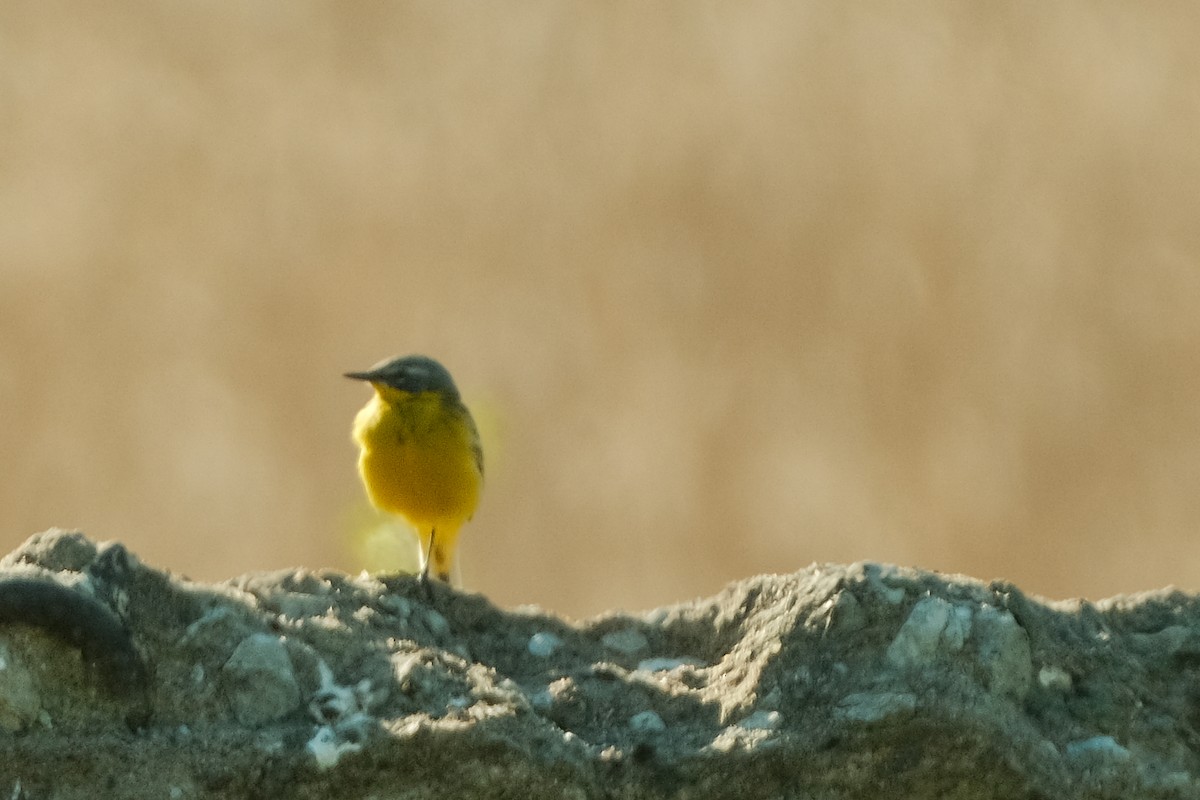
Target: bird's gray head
{"x": 410, "y": 374}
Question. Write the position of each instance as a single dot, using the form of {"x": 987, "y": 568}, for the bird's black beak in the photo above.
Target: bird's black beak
{"x": 361, "y": 376}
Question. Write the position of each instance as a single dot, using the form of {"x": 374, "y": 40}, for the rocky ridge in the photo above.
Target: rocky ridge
{"x": 834, "y": 682}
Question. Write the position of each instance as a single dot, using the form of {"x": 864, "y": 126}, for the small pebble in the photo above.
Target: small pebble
{"x": 647, "y": 722}
{"x": 762, "y": 721}
{"x": 1056, "y": 678}
{"x": 628, "y": 641}
{"x": 543, "y": 644}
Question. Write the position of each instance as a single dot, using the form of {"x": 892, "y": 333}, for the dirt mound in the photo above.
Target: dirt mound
{"x": 867, "y": 680}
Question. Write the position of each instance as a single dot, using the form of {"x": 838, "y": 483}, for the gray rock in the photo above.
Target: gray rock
{"x": 259, "y": 681}
{"x": 317, "y": 685}
{"x": 627, "y": 641}
{"x": 1004, "y": 652}
{"x": 20, "y": 701}
{"x": 934, "y": 627}
{"x": 874, "y": 706}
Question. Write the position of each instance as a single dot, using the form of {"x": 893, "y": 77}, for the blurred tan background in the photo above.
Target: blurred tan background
{"x": 733, "y": 288}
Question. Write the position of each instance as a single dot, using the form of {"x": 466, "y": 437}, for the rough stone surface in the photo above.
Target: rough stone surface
{"x": 259, "y": 680}
{"x": 19, "y": 699}
{"x": 834, "y": 682}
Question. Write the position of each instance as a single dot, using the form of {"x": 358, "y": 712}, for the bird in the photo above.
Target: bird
{"x": 419, "y": 455}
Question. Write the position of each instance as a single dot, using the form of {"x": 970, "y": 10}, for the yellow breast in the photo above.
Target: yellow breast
{"x": 419, "y": 458}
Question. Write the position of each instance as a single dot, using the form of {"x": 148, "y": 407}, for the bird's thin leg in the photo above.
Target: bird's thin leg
{"x": 426, "y": 557}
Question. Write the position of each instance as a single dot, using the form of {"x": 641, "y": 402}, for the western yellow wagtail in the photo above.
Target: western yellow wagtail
{"x": 420, "y": 454}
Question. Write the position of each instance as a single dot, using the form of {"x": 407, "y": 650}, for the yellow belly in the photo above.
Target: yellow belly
{"x": 418, "y": 461}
